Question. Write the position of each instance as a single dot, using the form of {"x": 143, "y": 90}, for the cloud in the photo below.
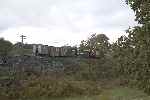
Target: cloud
{"x": 75, "y": 19}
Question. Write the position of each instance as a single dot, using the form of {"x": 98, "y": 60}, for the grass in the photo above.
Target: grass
{"x": 111, "y": 94}
{"x": 69, "y": 90}
{"x": 123, "y": 94}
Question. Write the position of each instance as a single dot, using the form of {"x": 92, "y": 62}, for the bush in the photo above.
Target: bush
{"x": 43, "y": 86}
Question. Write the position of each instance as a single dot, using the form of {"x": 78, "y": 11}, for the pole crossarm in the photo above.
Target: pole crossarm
{"x": 22, "y": 38}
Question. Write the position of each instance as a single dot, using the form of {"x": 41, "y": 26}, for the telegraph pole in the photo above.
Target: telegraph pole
{"x": 22, "y": 38}
{"x": 22, "y": 45}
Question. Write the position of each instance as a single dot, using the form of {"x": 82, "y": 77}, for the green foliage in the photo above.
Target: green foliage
{"x": 43, "y": 86}
{"x": 132, "y": 53}
{"x": 96, "y": 42}
{"x": 5, "y": 47}
{"x": 128, "y": 58}
{"x": 21, "y": 49}
{"x": 142, "y": 10}
{"x": 95, "y": 69}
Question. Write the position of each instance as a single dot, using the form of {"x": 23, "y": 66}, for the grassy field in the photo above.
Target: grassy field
{"x": 35, "y": 88}
{"x": 111, "y": 94}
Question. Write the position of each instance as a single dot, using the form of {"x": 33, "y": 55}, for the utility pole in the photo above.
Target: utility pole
{"x": 22, "y": 38}
{"x": 22, "y": 41}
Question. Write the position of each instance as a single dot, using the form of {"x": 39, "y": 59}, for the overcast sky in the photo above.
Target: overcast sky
{"x": 61, "y": 22}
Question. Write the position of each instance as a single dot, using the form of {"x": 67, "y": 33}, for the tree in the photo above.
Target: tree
{"x": 142, "y": 10}
{"x": 123, "y": 56}
{"x": 102, "y": 67}
{"x": 5, "y": 47}
{"x": 98, "y": 43}
{"x": 132, "y": 53}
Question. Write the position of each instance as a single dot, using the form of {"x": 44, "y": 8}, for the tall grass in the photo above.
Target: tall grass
{"x": 46, "y": 86}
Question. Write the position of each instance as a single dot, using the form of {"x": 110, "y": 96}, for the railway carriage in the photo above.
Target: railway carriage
{"x": 39, "y": 49}
{"x": 65, "y": 51}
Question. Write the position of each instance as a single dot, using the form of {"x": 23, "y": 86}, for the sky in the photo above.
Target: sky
{"x": 63, "y": 22}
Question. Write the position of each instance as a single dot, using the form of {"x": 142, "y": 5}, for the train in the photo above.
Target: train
{"x": 51, "y": 51}
{"x": 64, "y": 51}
